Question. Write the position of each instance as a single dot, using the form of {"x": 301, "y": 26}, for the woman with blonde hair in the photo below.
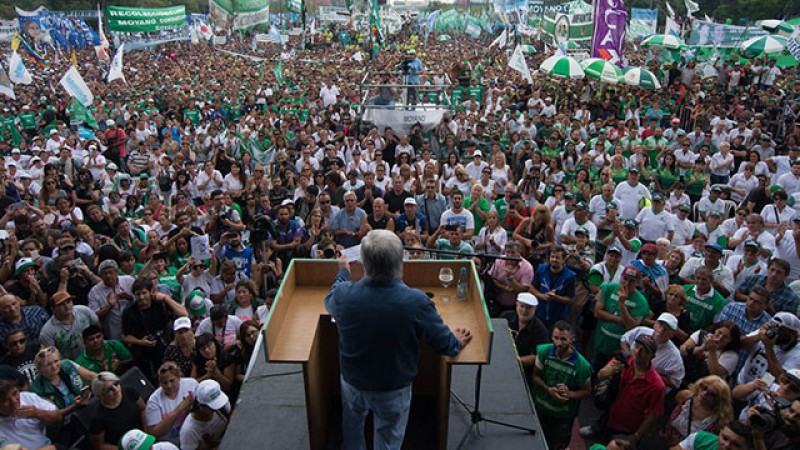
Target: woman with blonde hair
{"x": 501, "y": 172}
{"x": 537, "y": 235}
{"x": 705, "y": 406}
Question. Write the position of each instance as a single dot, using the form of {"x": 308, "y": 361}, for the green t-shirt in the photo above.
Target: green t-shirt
{"x": 702, "y": 311}
{"x": 608, "y": 334}
{"x": 574, "y": 372}
{"x": 694, "y": 183}
{"x": 193, "y": 115}
{"x": 703, "y": 440}
{"x": 444, "y": 244}
{"x": 169, "y": 279}
{"x": 112, "y": 349}
{"x": 501, "y": 207}
{"x": 484, "y": 206}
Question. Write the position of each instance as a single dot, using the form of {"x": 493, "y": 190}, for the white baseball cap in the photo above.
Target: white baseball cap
{"x": 526, "y": 298}
{"x": 668, "y": 319}
{"x": 209, "y": 394}
{"x": 182, "y": 323}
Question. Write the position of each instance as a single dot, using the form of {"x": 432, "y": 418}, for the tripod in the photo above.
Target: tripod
{"x": 475, "y": 414}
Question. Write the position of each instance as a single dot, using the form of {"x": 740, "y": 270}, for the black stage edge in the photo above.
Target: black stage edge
{"x": 271, "y": 412}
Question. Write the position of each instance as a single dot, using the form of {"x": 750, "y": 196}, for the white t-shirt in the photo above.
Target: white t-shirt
{"x": 30, "y": 433}
{"x": 463, "y": 218}
{"x": 227, "y": 336}
{"x": 756, "y": 364}
{"x": 570, "y": 225}
{"x": 628, "y": 198}
{"x": 196, "y": 435}
{"x": 786, "y": 250}
{"x": 653, "y": 226}
{"x": 159, "y": 406}
{"x": 727, "y": 359}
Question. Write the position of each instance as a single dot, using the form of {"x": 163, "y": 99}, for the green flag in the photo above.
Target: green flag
{"x": 278, "y": 71}
{"x": 82, "y": 114}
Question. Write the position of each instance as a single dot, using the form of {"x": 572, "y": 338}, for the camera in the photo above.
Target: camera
{"x": 769, "y": 419}
{"x": 73, "y": 269}
{"x": 329, "y": 253}
{"x": 622, "y": 356}
{"x": 261, "y": 230}
{"x": 771, "y": 333}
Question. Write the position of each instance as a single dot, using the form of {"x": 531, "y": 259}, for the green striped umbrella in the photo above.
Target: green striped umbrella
{"x": 763, "y": 44}
{"x": 667, "y": 41}
{"x": 562, "y": 67}
{"x": 777, "y": 26}
{"x": 637, "y": 76}
{"x": 602, "y": 70}
{"x": 443, "y": 37}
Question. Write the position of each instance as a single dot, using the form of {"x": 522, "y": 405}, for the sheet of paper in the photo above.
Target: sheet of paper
{"x": 353, "y": 253}
{"x": 200, "y": 248}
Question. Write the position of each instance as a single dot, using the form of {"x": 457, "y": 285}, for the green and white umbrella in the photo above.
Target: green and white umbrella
{"x": 602, "y": 70}
{"x": 443, "y": 37}
{"x": 763, "y": 44}
{"x": 779, "y": 27}
{"x": 667, "y": 41}
{"x": 562, "y": 67}
{"x": 637, "y": 76}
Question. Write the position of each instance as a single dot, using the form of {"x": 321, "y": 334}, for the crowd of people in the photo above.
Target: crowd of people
{"x": 653, "y": 252}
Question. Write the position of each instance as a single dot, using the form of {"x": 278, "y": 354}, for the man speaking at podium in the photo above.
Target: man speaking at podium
{"x": 381, "y": 321}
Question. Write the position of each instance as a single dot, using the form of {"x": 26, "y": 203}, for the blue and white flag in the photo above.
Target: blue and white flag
{"x": 115, "y": 71}
{"x": 85, "y": 133}
{"x": 17, "y": 71}
{"x": 431, "y": 20}
{"x": 473, "y": 29}
{"x": 73, "y": 83}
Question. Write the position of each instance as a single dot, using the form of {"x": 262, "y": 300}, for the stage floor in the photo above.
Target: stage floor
{"x": 271, "y": 412}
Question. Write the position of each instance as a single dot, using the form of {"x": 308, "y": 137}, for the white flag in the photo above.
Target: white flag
{"x": 17, "y": 71}
{"x": 708, "y": 19}
{"x": 115, "y": 72}
{"x": 357, "y": 57}
{"x": 500, "y": 40}
{"x": 672, "y": 27}
{"x": 6, "y": 88}
{"x": 73, "y": 83}
{"x": 691, "y": 7}
{"x": 670, "y": 11}
{"x": 518, "y": 63}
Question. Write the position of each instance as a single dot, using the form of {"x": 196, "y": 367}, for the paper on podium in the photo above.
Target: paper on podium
{"x": 353, "y": 254}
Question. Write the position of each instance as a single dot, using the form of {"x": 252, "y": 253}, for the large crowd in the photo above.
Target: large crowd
{"x": 652, "y": 249}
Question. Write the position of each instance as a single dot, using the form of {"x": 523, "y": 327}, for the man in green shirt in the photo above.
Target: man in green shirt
{"x": 620, "y": 307}
{"x": 561, "y": 379}
{"x": 703, "y": 301}
{"x": 102, "y": 355}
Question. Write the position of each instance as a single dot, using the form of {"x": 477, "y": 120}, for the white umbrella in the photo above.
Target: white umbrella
{"x": 637, "y": 76}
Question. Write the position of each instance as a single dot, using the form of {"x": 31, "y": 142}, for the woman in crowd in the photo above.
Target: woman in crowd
{"x": 168, "y": 406}
{"x": 704, "y": 406}
{"x": 212, "y": 362}
{"x": 246, "y": 306}
{"x": 536, "y": 234}
{"x": 120, "y": 409}
{"x": 182, "y": 350}
{"x": 60, "y": 380}
{"x": 714, "y": 351}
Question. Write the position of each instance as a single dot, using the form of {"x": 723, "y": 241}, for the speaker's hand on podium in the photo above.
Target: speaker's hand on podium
{"x": 463, "y": 335}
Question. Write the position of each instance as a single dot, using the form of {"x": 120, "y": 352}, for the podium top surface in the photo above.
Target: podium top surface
{"x": 292, "y": 322}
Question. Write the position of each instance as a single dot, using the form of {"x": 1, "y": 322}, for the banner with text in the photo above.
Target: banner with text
{"x": 610, "y": 27}
{"x": 145, "y": 20}
{"x": 643, "y": 23}
{"x": 720, "y": 35}
{"x": 238, "y": 14}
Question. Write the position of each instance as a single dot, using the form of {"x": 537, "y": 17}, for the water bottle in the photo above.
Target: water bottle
{"x": 463, "y": 285}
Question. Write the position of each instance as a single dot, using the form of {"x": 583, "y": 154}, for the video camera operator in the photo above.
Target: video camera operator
{"x": 777, "y": 429}
{"x": 411, "y": 66}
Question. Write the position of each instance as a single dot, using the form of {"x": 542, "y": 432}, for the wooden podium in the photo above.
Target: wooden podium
{"x": 299, "y": 330}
